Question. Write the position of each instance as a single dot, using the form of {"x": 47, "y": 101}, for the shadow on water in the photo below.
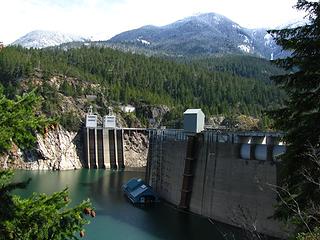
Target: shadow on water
{"x": 162, "y": 220}
{"x": 116, "y": 217}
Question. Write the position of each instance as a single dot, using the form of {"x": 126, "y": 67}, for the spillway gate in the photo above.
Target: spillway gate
{"x": 104, "y": 147}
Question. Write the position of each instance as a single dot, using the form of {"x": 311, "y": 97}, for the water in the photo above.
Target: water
{"x": 116, "y": 217}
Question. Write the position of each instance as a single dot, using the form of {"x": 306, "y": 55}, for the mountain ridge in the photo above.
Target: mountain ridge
{"x": 202, "y": 34}
{"x": 207, "y": 34}
{"x": 42, "y": 39}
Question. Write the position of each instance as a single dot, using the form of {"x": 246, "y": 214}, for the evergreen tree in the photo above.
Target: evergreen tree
{"x": 41, "y": 216}
{"x": 19, "y": 121}
{"x": 300, "y": 117}
{"x": 127, "y": 77}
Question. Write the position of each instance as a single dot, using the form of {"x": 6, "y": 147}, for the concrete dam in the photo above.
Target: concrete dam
{"x": 225, "y": 176}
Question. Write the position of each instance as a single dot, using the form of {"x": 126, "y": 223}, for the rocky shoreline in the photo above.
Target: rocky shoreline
{"x": 59, "y": 149}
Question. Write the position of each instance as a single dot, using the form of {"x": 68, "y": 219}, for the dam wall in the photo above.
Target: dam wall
{"x": 223, "y": 176}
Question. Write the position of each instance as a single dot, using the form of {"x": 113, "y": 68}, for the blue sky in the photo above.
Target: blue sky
{"x": 102, "y": 19}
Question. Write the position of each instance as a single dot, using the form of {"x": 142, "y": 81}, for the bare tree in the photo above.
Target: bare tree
{"x": 308, "y": 216}
{"x": 246, "y": 219}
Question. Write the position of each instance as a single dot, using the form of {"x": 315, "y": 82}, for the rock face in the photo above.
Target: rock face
{"x": 237, "y": 123}
{"x": 136, "y": 148}
{"x": 154, "y": 113}
{"x": 56, "y": 150}
{"x": 59, "y": 149}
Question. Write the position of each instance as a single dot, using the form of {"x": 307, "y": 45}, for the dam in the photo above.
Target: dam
{"x": 222, "y": 175}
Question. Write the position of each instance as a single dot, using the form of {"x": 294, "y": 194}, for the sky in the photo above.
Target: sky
{"x": 102, "y": 19}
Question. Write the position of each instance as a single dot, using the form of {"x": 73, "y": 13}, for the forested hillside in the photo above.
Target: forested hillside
{"x": 238, "y": 65}
{"x": 117, "y": 77}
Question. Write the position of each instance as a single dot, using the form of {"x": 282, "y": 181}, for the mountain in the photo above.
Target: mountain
{"x": 293, "y": 23}
{"x": 200, "y": 35}
{"x": 42, "y": 39}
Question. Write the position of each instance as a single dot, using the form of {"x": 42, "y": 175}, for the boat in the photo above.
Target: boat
{"x": 138, "y": 192}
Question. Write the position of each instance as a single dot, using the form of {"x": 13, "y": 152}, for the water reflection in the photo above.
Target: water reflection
{"x": 116, "y": 217}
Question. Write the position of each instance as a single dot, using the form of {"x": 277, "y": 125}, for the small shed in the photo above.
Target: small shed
{"x": 91, "y": 121}
{"x": 139, "y": 192}
{"x": 109, "y": 121}
{"x": 193, "y": 120}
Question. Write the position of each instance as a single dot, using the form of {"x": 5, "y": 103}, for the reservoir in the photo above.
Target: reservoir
{"x": 116, "y": 217}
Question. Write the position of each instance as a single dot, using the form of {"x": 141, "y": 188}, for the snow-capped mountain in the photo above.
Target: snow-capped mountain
{"x": 293, "y": 23}
{"x": 203, "y": 34}
{"x": 42, "y": 39}
{"x": 199, "y": 35}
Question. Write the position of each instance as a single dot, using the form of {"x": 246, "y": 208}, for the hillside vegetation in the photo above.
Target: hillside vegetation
{"x": 117, "y": 77}
{"x": 238, "y": 65}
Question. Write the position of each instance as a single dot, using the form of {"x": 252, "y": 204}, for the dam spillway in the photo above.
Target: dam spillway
{"x": 103, "y": 148}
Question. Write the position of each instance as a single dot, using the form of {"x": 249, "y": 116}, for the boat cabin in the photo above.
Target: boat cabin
{"x": 138, "y": 192}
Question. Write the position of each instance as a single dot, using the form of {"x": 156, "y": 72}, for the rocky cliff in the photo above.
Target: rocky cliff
{"x": 136, "y": 148}
{"x": 57, "y": 149}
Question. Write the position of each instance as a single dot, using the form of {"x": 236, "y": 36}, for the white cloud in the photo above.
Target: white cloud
{"x": 108, "y": 17}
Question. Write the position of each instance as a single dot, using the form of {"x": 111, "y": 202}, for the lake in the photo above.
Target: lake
{"x": 116, "y": 217}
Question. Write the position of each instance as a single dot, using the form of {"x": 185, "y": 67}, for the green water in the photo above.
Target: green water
{"x": 116, "y": 217}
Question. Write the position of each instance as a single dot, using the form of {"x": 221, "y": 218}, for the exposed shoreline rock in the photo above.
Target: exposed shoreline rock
{"x": 59, "y": 149}
{"x": 136, "y": 147}
{"x": 56, "y": 150}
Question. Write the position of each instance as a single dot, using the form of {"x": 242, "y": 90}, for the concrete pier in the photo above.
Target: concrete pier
{"x": 120, "y": 153}
{"x": 104, "y": 148}
{"x": 100, "y": 148}
{"x": 92, "y": 149}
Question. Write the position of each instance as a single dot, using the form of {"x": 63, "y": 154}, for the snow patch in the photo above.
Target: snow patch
{"x": 210, "y": 19}
{"x": 236, "y": 26}
{"x": 217, "y": 19}
{"x": 268, "y": 40}
{"x": 246, "y": 39}
{"x": 143, "y": 41}
{"x": 42, "y": 39}
{"x": 293, "y": 23}
{"x": 244, "y": 48}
